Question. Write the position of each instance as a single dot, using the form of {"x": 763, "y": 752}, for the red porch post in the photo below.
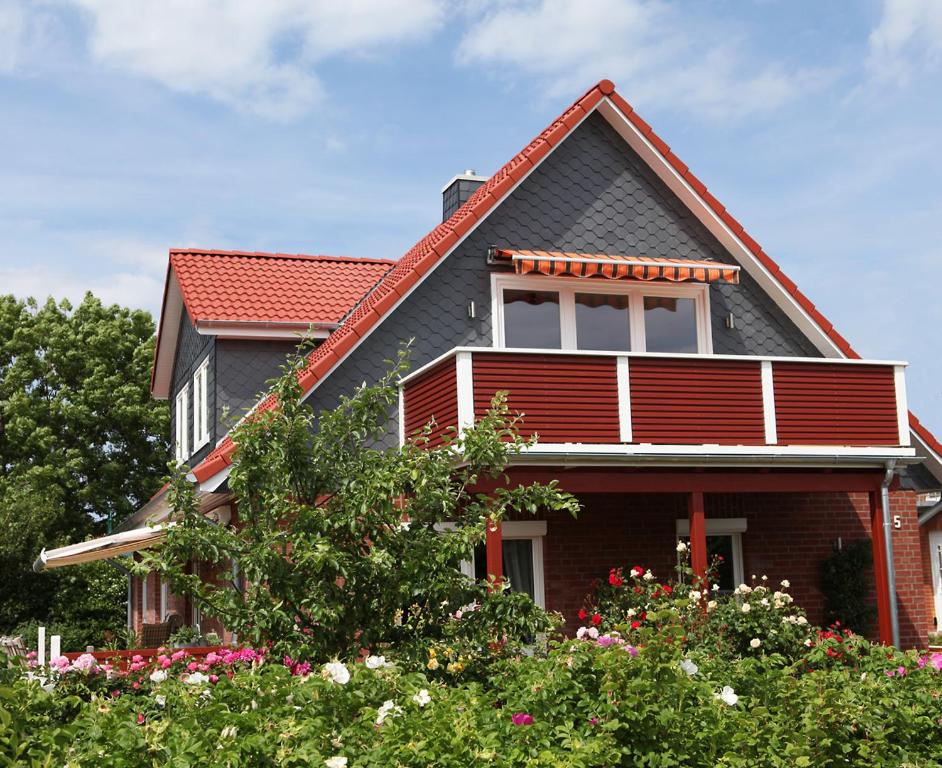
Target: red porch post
{"x": 698, "y": 546}
{"x": 493, "y": 545}
{"x": 880, "y": 569}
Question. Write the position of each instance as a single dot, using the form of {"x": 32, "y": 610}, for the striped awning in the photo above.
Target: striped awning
{"x": 102, "y": 548}
{"x": 616, "y": 267}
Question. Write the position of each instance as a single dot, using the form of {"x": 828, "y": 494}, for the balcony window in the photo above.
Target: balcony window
{"x": 531, "y": 319}
{"x": 602, "y": 321}
{"x": 724, "y": 547}
{"x": 201, "y": 405}
{"x": 181, "y": 419}
{"x": 670, "y": 324}
{"x": 557, "y": 313}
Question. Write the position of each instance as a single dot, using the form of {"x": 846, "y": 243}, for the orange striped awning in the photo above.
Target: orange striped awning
{"x": 616, "y": 267}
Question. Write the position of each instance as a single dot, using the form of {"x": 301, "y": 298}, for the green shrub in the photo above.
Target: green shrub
{"x": 848, "y": 600}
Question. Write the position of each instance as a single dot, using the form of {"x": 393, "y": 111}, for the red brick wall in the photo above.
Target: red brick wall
{"x": 788, "y": 536}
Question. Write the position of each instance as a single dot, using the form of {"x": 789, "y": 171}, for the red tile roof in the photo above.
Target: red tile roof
{"x": 437, "y": 243}
{"x": 272, "y": 287}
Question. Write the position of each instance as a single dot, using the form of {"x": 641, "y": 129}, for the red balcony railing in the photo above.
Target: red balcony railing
{"x": 655, "y": 400}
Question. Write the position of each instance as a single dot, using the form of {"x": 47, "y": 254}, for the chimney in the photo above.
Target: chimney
{"x": 456, "y": 192}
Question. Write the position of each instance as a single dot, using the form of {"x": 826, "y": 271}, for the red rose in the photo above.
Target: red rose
{"x": 615, "y": 579}
{"x": 639, "y": 569}
{"x": 582, "y": 614}
{"x": 635, "y": 624}
{"x": 596, "y": 619}
{"x": 668, "y": 589}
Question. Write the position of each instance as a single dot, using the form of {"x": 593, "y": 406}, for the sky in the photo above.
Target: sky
{"x": 315, "y": 126}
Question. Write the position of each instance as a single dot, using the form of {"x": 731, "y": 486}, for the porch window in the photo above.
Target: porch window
{"x": 522, "y": 547}
{"x": 724, "y": 539}
{"x": 181, "y": 416}
{"x": 559, "y": 313}
{"x": 201, "y": 406}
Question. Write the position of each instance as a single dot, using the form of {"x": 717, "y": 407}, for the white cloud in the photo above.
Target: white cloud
{"x": 908, "y": 37}
{"x": 659, "y": 54}
{"x": 125, "y": 288}
{"x": 255, "y": 55}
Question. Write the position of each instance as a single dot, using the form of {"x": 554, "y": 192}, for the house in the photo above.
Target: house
{"x": 680, "y": 383}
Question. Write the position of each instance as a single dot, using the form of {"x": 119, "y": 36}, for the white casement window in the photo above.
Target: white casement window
{"x": 559, "y": 313}
{"x": 522, "y": 545}
{"x": 724, "y": 539}
{"x": 182, "y": 424}
{"x": 201, "y": 406}
{"x": 164, "y": 600}
{"x": 145, "y": 585}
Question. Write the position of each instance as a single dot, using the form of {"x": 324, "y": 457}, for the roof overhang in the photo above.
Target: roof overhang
{"x": 102, "y": 548}
{"x": 252, "y": 329}
{"x": 168, "y": 331}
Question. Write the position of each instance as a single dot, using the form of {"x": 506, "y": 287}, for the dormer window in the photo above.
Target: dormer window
{"x": 201, "y": 405}
{"x": 181, "y": 414}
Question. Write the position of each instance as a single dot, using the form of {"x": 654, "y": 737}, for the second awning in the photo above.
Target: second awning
{"x": 102, "y": 548}
{"x": 615, "y": 267}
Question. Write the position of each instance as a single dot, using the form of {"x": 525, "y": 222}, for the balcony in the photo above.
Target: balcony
{"x": 661, "y": 405}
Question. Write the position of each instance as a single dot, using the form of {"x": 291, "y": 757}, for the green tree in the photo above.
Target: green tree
{"x": 339, "y": 545}
{"x": 82, "y": 444}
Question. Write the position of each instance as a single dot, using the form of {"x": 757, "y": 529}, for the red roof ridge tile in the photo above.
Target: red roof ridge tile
{"x": 279, "y": 255}
{"x": 437, "y": 243}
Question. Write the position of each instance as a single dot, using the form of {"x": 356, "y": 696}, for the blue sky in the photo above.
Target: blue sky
{"x": 320, "y": 127}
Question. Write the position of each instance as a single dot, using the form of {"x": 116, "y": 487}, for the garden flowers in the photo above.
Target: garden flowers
{"x": 387, "y": 709}
{"x": 337, "y": 761}
{"x": 689, "y": 667}
{"x": 422, "y": 697}
{"x": 376, "y": 662}
{"x": 337, "y": 672}
{"x": 521, "y": 718}
{"x": 727, "y": 696}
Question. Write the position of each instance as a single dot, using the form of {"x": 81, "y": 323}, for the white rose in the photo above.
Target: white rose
{"x": 727, "y": 696}
{"x": 785, "y": 584}
{"x": 681, "y": 547}
{"x": 648, "y": 576}
{"x": 711, "y": 605}
{"x": 387, "y": 709}
{"x": 808, "y": 643}
{"x": 422, "y": 697}
{"x": 755, "y": 642}
{"x": 337, "y": 672}
{"x": 634, "y": 573}
{"x": 161, "y": 700}
{"x": 746, "y": 608}
{"x": 801, "y": 620}
{"x": 630, "y": 612}
{"x": 694, "y": 596}
{"x": 689, "y": 667}
{"x": 158, "y": 676}
{"x": 376, "y": 662}
{"x": 337, "y": 761}
{"x": 196, "y": 678}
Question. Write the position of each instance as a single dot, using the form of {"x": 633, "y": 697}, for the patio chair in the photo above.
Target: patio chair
{"x": 155, "y": 635}
{"x": 14, "y": 647}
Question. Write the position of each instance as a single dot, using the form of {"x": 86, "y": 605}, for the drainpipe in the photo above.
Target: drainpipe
{"x": 888, "y": 546}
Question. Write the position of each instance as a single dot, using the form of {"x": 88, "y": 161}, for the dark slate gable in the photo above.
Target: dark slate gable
{"x": 592, "y": 195}
{"x": 192, "y": 349}
{"x": 243, "y": 369}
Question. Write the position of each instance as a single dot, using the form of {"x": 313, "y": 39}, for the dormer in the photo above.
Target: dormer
{"x": 229, "y": 321}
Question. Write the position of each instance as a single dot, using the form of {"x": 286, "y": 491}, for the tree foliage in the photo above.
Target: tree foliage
{"x": 338, "y": 544}
{"x": 81, "y": 442}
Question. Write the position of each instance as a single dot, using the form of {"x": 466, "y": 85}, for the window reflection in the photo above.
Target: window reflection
{"x": 670, "y": 325}
{"x": 602, "y": 322}
{"x": 531, "y": 319}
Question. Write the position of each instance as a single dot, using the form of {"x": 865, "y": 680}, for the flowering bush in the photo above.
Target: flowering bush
{"x": 597, "y": 700}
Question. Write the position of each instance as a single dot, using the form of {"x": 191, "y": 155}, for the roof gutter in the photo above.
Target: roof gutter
{"x": 926, "y": 516}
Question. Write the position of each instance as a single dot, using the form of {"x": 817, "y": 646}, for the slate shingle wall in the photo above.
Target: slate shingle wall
{"x": 192, "y": 349}
{"x": 593, "y": 194}
{"x": 243, "y": 369}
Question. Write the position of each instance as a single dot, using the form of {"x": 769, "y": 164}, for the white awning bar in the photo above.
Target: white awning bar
{"x": 102, "y": 548}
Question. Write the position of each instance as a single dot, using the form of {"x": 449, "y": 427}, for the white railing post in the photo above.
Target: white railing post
{"x": 464, "y": 379}
{"x": 902, "y": 409}
{"x": 768, "y": 402}
{"x": 55, "y": 647}
{"x": 402, "y": 416}
{"x": 41, "y": 650}
{"x": 624, "y": 398}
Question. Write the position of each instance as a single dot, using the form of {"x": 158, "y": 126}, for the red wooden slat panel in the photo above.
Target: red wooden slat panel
{"x": 565, "y": 399}
{"x": 433, "y": 395}
{"x": 830, "y": 404}
{"x": 696, "y": 401}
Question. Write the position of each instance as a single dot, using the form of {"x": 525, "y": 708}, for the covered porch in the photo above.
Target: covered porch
{"x": 781, "y": 523}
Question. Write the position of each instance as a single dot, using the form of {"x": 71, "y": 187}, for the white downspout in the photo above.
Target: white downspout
{"x": 888, "y": 547}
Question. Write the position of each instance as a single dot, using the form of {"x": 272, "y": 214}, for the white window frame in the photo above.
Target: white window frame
{"x": 164, "y": 599}
{"x": 567, "y": 288}
{"x": 733, "y": 527}
{"x": 201, "y": 405}
{"x": 182, "y": 441}
{"x": 144, "y": 606}
{"x": 535, "y": 532}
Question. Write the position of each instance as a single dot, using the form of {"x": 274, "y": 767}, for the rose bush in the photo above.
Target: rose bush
{"x": 598, "y": 700}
